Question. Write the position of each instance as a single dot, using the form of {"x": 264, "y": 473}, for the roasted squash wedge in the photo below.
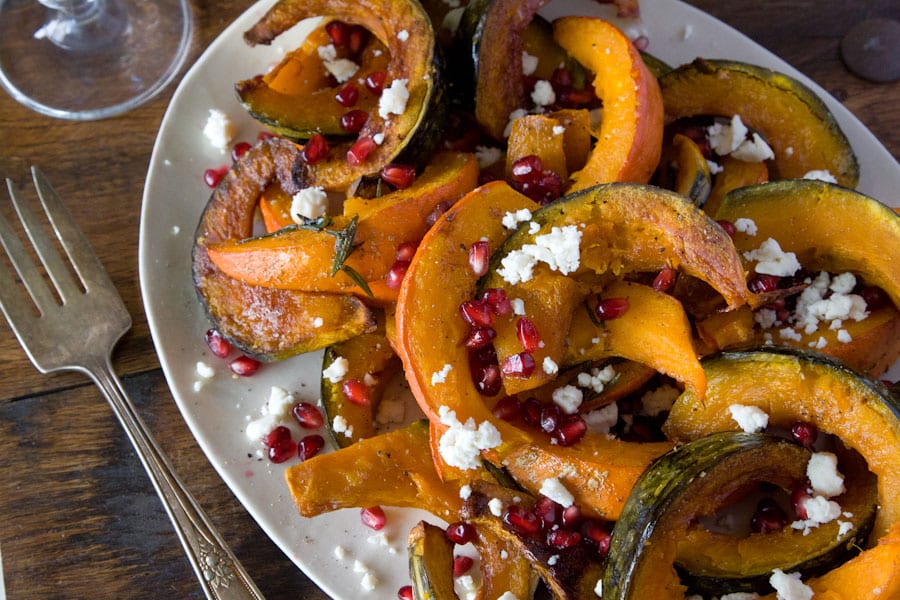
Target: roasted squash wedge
{"x": 430, "y": 562}
{"x": 797, "y": 125}
{"x": 802, "y": 386}
{"x": 415, "y": 61}
{"x": 265, "y": 323}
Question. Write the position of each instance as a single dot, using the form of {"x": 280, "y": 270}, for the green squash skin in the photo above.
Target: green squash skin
{"x": 665, "y": 480}
{"x": 430, "y": 562}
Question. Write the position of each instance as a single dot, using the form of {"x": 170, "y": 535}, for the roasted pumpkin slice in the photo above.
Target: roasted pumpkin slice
{"x": 792, "y": 385}
{"x": 692, "y": 177}
{"x": 414, "y": 70}
{"x": 712, "y": 562}
{"x": 365, "y": 365}
{"x": 296, "y": 98}
{"x": 795, "y": 123}
{"x": 691, "y": 481}
{"x": 595, "y": 235}
{"x": 629, "y": 140}
{"x": 735, "y": 173}
{"x": 265, "y": 323}
{"x": 430, "y": 561}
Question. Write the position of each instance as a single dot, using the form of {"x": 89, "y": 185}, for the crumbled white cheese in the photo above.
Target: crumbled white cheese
{"x": 511, "y": 219}
{"x": 550, "y": 367}
{"x": 259, "y": 428}
{"x": 602, "y": 419}
{"x": 754, "y": 150}
{"x": 568, "y": 398}
{"x": 369, "y": 581}
{"x": 529, "y": 63}
{"x": 789, "y": 333}
{"x": 378, "y": 138}
{"x": 204, "y": 371}
{"x": 789, "y": 587}
{"x": 219, "y": 129}
{"x": 558, "y": 130}
{"x": 340, "y": 425}
{"x": 309, "y": 203}
{"x": 659, "y": 400}
{"x": 465, "y": 587}
{"x": 745, "y": 225}
{"x": 823, "y": 475}
{"x": 554, "y": 489}
{"x": 751, "y": 419}
{"x": 714, "y": 167}
{"x": 518, "y": 306}
{"x": 553, "y": 560}
{"x": 821, "y": 175}
{"x": 543, "y": 94}
{"x": 341, "y": 68}
{"x": 403, "y": 35}
{"x": 844, "y": 337}
{"x": 725, "y": 138}
{"x": 465, "y": 491}
{"x": 597, "y": 378}
{"x": 318, "y": 322}
{"x": 336, "y": 370}
{"x": 516, "y": 114}
{"x": 487, "y": 156}
{"x": 820, "y": 510}
{"x": 598, "y": 589}
{"x": 495, "y": 505}
{"x": 393, "y": 99}
{"x": 461, "y": 444}
{"x": 813, "y": 306}
{"x": 560, "y": 250}
{"x": 340, "y": 552}
{"x": 772, "y": 260}
{"x": 844, "y": 528}
{"x": 766, "y": 317}
{"x": 280, "y": 403}
{"x": 441, "y": 376}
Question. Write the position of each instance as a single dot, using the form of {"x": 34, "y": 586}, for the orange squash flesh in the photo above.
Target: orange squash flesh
{"x": 735, "y": 173}
{"x": 629, "y": 141}
{"x": 535, "y": 135}
{"x": 275, "y": 208}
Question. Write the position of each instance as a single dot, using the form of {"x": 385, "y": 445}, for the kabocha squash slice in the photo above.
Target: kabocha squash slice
{"x": 302, "y": 258}
{"x": 414, "y": 58}
{"x": 801, "y": 386}
{"x": 735, "y": 174}
{"x": 690, "y": 481}
{"x": 692, "y": 177}
{"x": 797, "y": 125}
{"x": 430, "y": 562}
{"x": 265, "y": 323}
{"x": 629, "y": 141}
{"x": 625, "y": 228}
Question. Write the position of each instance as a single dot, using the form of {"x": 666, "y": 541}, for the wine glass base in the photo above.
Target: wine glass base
{"x": 105, "y": 74}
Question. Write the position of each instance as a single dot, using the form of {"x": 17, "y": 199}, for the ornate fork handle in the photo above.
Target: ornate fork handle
{"x": 221, "y": 575}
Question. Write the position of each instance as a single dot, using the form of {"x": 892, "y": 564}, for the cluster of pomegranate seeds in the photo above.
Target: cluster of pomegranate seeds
{"x": 356, "y": 392}
{"x": 564, "y": 429}
{"x": 212, "y": 177}
{"x": 561, "y": 528}
{"x": 281, "y": 447}
{"x": 529, "y": 177}
{"x": 360, "y": 150}
{"x": 353, "y": 121}
{"x": 399, "y": 176}
{"x": 222, "y": 348}
{"x": 345, "y": 35}
{"x": 479, "y": 257}
{"x": 611, "y": 308}
{"x": 373, "y": 517}
{"x": 397, "y": 272}
{"x": 769, "y": 517}
{"x": 665, "y": 280}
{"x": 461, "y": 565}
{"x": 518, "y": 365}
{"x": 804, "y": 433}
{"x": 315, "y": 150}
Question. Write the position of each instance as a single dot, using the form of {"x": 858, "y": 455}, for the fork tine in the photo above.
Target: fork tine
{"x": 81, "y": 254}
{"x": 27, "y": 270}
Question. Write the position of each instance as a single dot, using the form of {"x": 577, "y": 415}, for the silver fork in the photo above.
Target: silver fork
{"x": 79, "y": 333}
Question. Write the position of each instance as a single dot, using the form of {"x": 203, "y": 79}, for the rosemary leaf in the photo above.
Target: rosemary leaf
{"x": 357, "y": 279}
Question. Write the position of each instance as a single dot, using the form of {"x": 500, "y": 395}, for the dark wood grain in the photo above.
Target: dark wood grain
{"x": 79, "y": 517}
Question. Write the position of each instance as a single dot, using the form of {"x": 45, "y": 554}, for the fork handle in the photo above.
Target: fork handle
{"x": 221, "y": 576}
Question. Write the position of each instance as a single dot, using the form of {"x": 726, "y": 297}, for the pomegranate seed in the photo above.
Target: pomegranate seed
{"x": 338, "y": 32}
{"x": 407, "y": 250}
{"x": 761, "y": 283}
{"x": 487, "y": 379}
{"x": 405, "y": 593}
{"x": 570, "y": 430}
{"x": 244, "y": 366}
{"x": 799, "y": 496}
{"x": 479, "y": 257}
{"x": 353, "y": 121}
{"x": 611, "y": 308}
{"x": 598, "y": 534}
{"x": 531, "y": 412}
{"x": 436, "y": 213}
{"x": 768, "y": 517}
{"x": 348, "y": 95}
{"x": 875, "y": 297}
{"x": 527, "y": 169}
{"x": 239, "y": 150}
{"x": 518, "y": 365}
{"x": 804, "y": 433}
{"x": 282, "y": 451}
{"x": 373, "y": 517}
{"x": 218, "y": 345}
{"x": 310, "y": 445}
{"x": 358, "y": 37}
{"x": 572, "y": 98}
{"x": 461, "y": 565}
{"x": 665, "y": 280}
{"x": 212, "y": 177}
{"x": 571, "y": 516}
{"x": 544, "y": 190}
{"x": 375, "y": 80}
{"x": 479, "y": 337}
{"x": 308, "y": 415}
{"x": 641, "y": 42}
{"x": 497, "y": 299}
{"x": 561, "y": 78}
{"x": 548, "y": 511}
{"x": 508, "y": 408}
{"x": 360, "y": 150}
{"x": 563, "y": 538}
{"x": 521, "y": 521}
{"x": 460, "y": 532}
{"x": 277, "y": 436}
{"x": 356, "y": 392}
{"x": 550, "y": 415}
{"x": 315, "y": 150}
{"x": 728, "y": 226}
{"x": 528, "y": 334}
{"x": 396, "y": 273}
{"x": 477, "y": 313}
{"x": 399, "y": 176}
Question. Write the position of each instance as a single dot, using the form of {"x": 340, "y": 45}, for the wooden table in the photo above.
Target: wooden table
{"x": 78, "y": 517}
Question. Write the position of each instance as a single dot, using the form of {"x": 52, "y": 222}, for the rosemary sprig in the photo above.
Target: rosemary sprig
{"x": 343, "y": 247}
